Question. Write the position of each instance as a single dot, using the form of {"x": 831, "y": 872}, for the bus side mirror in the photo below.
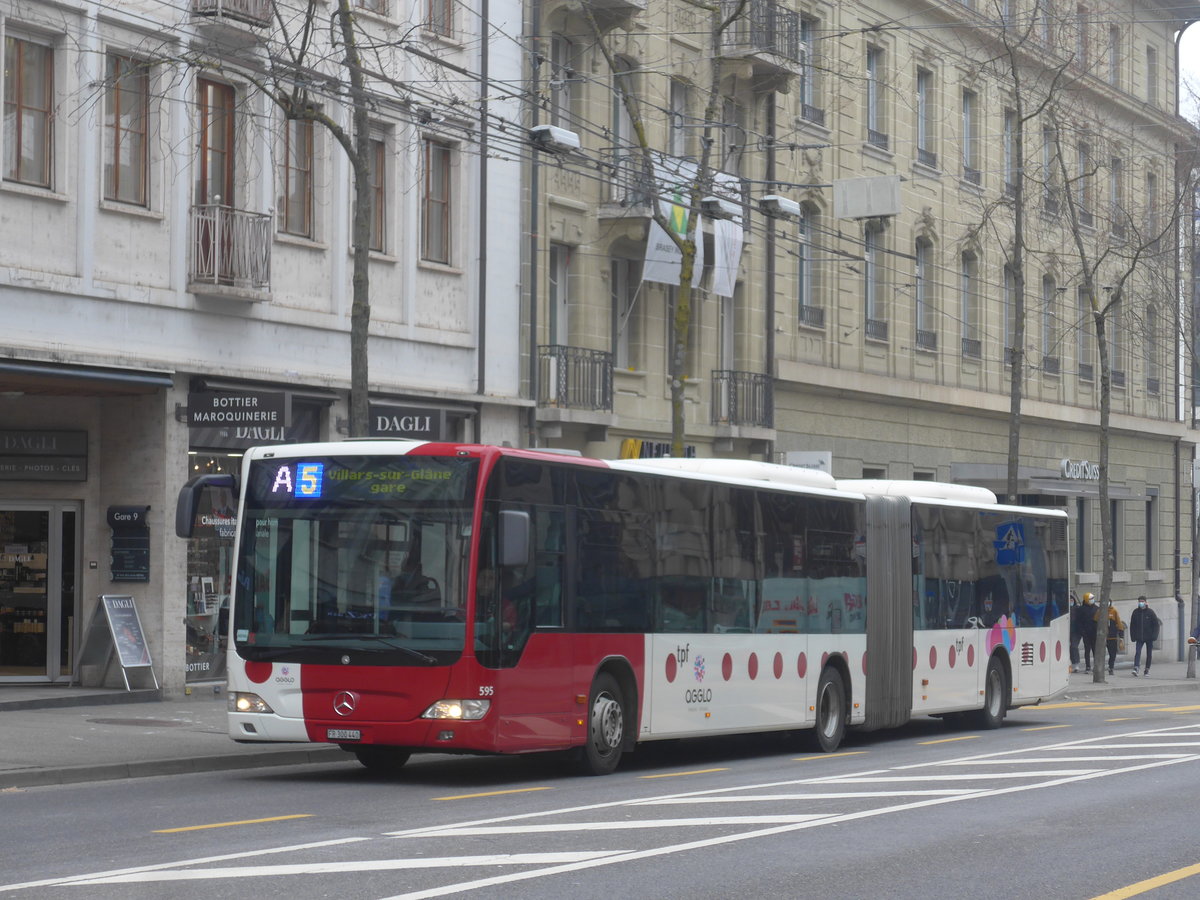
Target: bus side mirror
{"x": 515, "y": 530}
{"x": 189, "y": 500}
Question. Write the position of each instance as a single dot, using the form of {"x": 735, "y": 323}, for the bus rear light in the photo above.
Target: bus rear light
{"x": 247, "y": 703}
{"x": 468, "y": 710}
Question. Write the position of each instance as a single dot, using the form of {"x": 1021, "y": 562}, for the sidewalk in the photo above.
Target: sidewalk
{"x": 67, "y": 735}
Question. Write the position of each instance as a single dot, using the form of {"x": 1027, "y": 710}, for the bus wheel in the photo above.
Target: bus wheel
{"x": 606, "y": 727}
{"x": 381, "y": 760}
{"x": 831, "y": 711}
{"x": 995, "y": 690}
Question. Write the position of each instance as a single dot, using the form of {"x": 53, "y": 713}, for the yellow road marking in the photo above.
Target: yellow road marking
{"x": 1135, "y": 706}
{"x": 1149, "y": 884}
{"x": 495, "y": 793}
{"x": 828, "y": 755}
{"x": 1124, "y": 719}
{"x": 1178, "y": 708}
{"x": 693, "y": 772}
{"x": 1071, "y": 704}
{"x": 965, "y": 737}
{"x": 231, "y": 824}
{"x": 1045, "y": 727}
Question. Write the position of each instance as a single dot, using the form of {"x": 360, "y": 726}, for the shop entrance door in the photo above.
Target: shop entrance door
{"x": 38, "y": 575}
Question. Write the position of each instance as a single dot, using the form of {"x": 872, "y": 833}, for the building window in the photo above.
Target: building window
{"x": 1083, "y": 536}
{"x": 1116, "y": 196}
{"x": 377, "y": 175}
{"x": 562, "y": 76}
{"x": 1082, "y": 18}
{"x": 558, "y": 276}
{"x": 876, "y": 120}
{"x": 1049, "y": 170}
{"x": 1010, "y": 313}
{"x": 1151, "y": 561}
{"x": 809, "y": 105}
{"x": 215, "y": 183}
{"x": 875, "y": 304}
{"x": 1152, "y": 76}
{"x": 970, "y": 137}
{"x": 126, "y": 108}
{"x": 28, "y": 112}
{"x": 677, "y": 131}
{"x": 1084, "y": 177}
{"x": 1153, "y": 383}
{"x": 1115, "y": 333}
{"x": 1152, "y": 226}
{"x": 1084, "y": 342}
{"x": 1114, "y": 55}
{"x": 624, "y": 281}
{"x": 1050, "y": 357}
{"x": 922, "y": 297}
{"x": 1118, "y": 536}
{"x": 968, "y": 276}
{"x": 439, "y": 17}
{"x": 1010, "y": 152}
{"x": 435, "y": 202}
{"x": 296, "y": 200}
{"x": 925, "y": 118}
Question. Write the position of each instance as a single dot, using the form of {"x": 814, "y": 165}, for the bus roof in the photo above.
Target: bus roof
{"x": 744, "y": 469}
{"x": 932, "y": 490}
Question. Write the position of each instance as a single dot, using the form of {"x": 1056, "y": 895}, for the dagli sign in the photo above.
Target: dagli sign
{"x": 1080, "y": 470}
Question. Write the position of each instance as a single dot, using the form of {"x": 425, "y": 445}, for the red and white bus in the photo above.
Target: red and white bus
{"x": 394, "y": 597}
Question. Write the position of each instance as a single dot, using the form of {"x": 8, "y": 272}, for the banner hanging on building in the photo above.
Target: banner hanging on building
{"x": 673, "y": 178}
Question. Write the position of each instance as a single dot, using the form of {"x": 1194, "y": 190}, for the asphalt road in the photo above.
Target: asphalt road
{"x": 1065, "y": 801}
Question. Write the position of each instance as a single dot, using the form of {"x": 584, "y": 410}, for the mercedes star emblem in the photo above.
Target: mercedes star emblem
{"x": 344, "y": 703}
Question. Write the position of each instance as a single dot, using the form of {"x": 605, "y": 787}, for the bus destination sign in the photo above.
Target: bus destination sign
{"x": 298, "y": 482}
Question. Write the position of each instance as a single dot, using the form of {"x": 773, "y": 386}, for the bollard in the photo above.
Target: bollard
{"x": 1193, "y": 648}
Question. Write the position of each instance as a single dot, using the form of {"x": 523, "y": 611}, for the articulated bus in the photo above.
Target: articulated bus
{"x": 395, "y": 597}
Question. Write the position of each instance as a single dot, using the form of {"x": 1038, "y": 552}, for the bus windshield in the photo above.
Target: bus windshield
{"x": 354, "y": 559}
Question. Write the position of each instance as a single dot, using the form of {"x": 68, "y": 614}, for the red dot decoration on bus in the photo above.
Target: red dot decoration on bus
{"x": 1058, "y": 651}
{"x": 727, "y": 667}
{"x": 953, "y": 656}
{"x": 970, "y": 655}
{"x": 864, "y": 664}
{"x": 933, "y": 657}
{"x": 752, "y": 666}
{"x": 258, "y": 672}
{"x": 824, "y": 659}
{"x": 801, "y": 665}
{"x": 1042, "y": 651}
{"x": 914, "y": 659}
{"x": 778, "y": 666}
{"x": 672, "y": 667}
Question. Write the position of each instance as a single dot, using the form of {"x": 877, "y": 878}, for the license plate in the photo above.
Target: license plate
{"x": 343, "y": 734}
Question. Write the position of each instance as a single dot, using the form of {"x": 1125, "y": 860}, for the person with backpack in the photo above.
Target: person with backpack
{"x": 1143, "y": 630}
{"x": 1116, "y": 631}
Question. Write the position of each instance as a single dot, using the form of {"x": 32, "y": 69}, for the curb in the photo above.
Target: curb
{"x": 149, "y": 768}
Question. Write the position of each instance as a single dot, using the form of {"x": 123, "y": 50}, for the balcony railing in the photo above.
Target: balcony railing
{"x": 631, "y": 187}
{"x": 877, "y": 329}
{"x": 813, "y": 114}
{"x": 742, "y": 398}
{"x": 926, "y": 340}
{"x": 575, "y": 377}
{"x": 877, "y": 138}
{"x": 1118, "y": 378}
{"x": 812, "y": 316}
{"x": 972, "y": 348}
{"x": 1152, "y": 386}
{"x": 763, "y": 27}
{"x": 252, "y": 12}
{"x": 231, "y": 247}
{"x": 972, "y": 176}
{"x": 1050, "y": 365}
{"x": 927, "y": 157}
{"x": 1086, "y": 372}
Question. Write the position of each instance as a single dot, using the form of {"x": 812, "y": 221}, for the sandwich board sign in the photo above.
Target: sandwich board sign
{"x": 116, "y": 627}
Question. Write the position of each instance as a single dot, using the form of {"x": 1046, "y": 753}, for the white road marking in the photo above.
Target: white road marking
{"x": 1017, "y": 761}
{"x": 988, "y": 776}
{"x": 836, "y": 795}
{"x": 366, "y": 865}
{"x": 622, "y": 825}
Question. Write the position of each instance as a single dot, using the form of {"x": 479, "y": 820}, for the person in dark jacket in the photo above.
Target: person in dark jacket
{"x": 1115, "y": 631}
{"x": 1087, "y": 629}
{"x": 1143, "y": 631}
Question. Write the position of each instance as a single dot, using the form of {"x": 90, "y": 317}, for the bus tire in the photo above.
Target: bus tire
{"x": 830, "y": 726}
{"x": 995, "y": 697}
{"x": 381, "y": 760}
{"x": 606, "y": 727}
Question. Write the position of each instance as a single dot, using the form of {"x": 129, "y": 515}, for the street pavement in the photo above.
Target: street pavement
{"x": 66, "y": 735}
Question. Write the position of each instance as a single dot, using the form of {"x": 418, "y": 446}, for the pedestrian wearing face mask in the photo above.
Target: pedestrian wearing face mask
{"x": 1143, "y": 630}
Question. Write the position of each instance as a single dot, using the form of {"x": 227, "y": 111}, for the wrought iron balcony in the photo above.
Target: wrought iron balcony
{"x": 926, "y": 340}
{"x": 812, "y": 316}
{"x": 1087, "y": 372}
{"x": 877, "y": 138}
{"x": 575, "y": 377}
{"x": 972, "y": 348}
{"x": 1152, "y": 385}
{"x": 927, "y": 157}
{"x": 972, "y": 176}
{"x": 743, "y": 398}
{"x": 877, "y": 329}
{"x": 1118, "y": 378}
{"x": 813, "y": 114}
{"x": 250, "y": 12}
{"x": 1050, "y": 365}
{"x": 230, "y": 247}
{"x": 767, "y": 34}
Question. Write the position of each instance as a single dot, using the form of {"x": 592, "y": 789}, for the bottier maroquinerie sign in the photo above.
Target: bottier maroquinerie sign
{"x": 1079, "y": 470}
{"x": 224, "y": 408}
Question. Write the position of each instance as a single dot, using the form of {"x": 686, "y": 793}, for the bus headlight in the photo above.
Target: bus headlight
{"x": 247, "y": 703}
{"x": 458, "y": 709}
